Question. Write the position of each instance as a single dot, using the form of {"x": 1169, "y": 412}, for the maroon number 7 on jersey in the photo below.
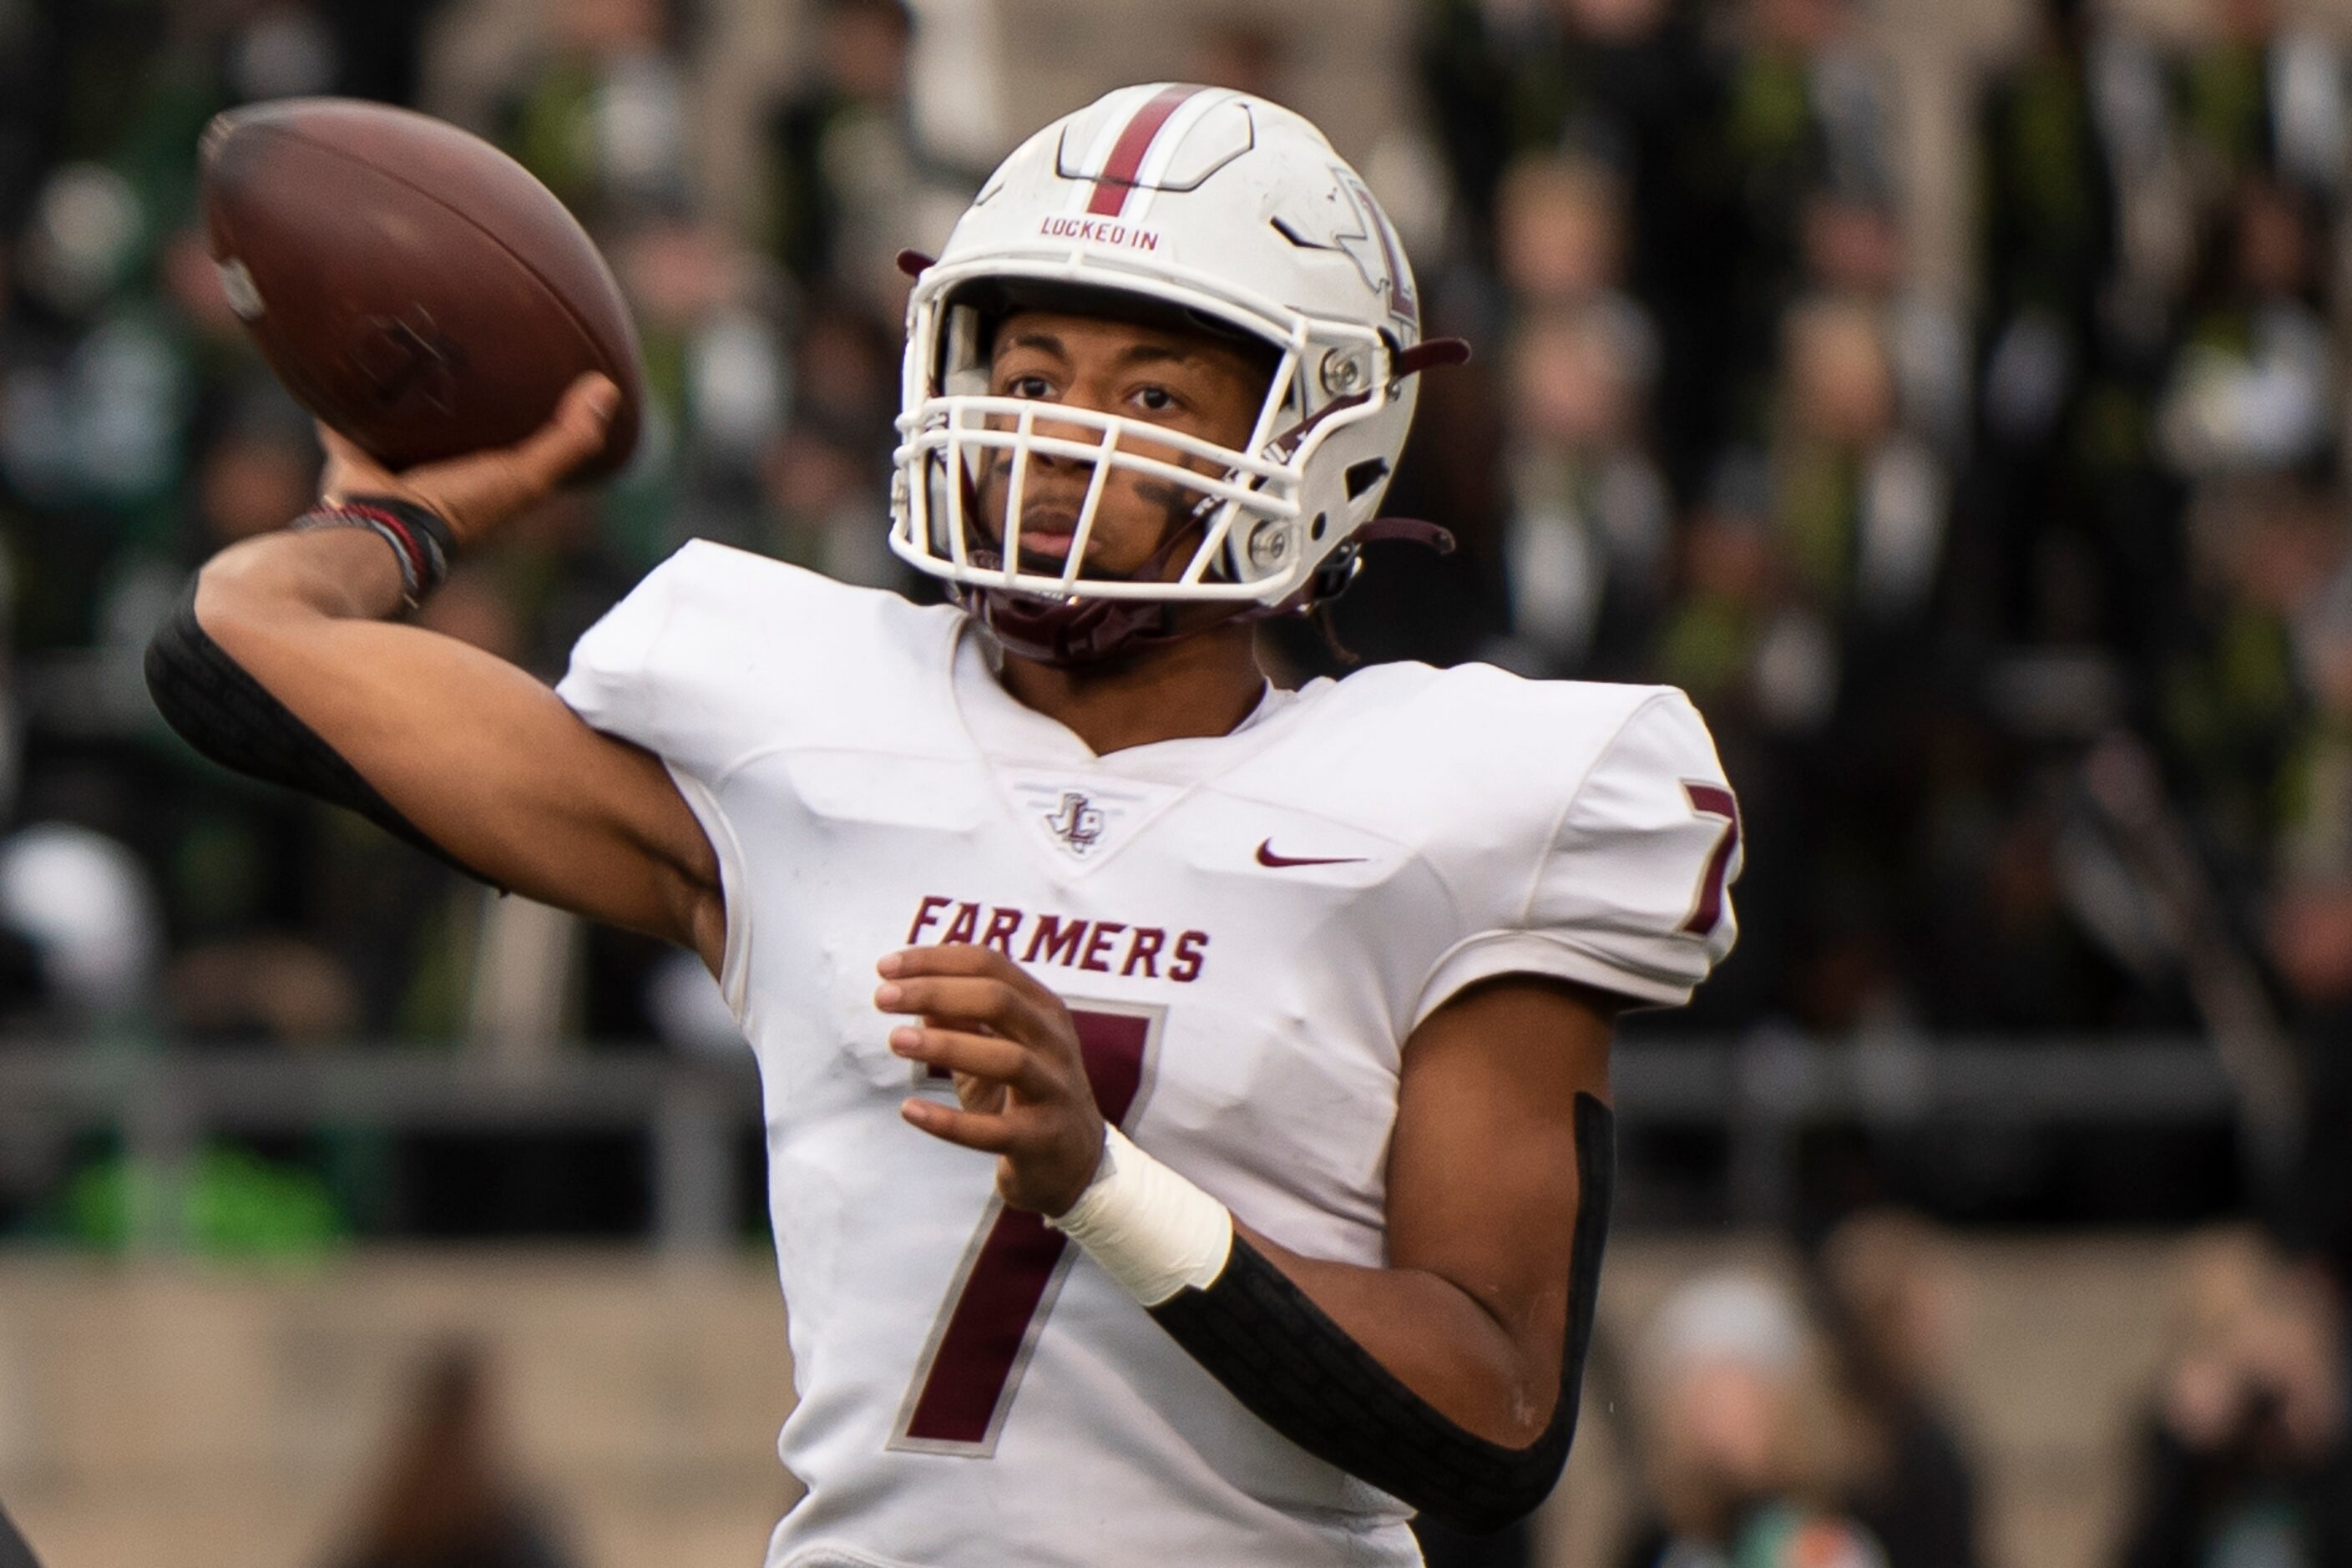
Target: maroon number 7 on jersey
{"x": 997, "y": 1306}
{"x": 1712, "y": 800}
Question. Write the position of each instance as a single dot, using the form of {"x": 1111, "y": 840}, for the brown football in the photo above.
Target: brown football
{"x": 412, "y": 285}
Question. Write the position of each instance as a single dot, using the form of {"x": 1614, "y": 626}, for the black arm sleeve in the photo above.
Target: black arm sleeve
{"x": 232, "y": 718}
{"x": 1301, "y": 1373}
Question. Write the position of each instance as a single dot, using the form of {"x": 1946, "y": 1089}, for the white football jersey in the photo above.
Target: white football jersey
{"x": 1246, "y": 927}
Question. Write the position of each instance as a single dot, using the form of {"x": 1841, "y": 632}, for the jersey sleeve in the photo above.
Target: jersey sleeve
{"x": 613, "y": 678}
{"x": 630, "y": 676}
{"x": 1632, "y": 893}
{"x": 712, "y": 654}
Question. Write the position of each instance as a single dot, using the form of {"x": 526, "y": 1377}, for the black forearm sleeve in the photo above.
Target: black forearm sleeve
{"x": 233, "y": 718}
{"x": 1300, "y": 1373}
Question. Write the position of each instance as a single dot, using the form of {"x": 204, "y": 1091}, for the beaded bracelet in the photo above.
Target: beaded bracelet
{"x": 421, "y": 541}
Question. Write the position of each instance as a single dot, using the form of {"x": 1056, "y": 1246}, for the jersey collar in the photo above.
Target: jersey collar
{"x": 1005, "y": 729}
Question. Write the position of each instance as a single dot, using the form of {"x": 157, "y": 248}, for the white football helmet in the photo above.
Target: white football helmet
{"x": 1224, "y": 208}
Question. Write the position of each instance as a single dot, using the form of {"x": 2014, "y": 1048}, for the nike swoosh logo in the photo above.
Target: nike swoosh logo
{"x": 1266, "y": 857}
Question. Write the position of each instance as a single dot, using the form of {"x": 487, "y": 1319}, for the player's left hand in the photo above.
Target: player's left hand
{"x": 1020, "y": 1076}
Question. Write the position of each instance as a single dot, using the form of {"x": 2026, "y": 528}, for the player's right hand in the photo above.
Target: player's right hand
{"x": 476, "y": 493}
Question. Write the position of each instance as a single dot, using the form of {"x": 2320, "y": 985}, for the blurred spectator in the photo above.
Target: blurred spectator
{"x": 1741, "y": 1447}
{"x": 447, "y": 1497}
{"x": 275, "y": 988}
{"x": 2308, "y": 922}
{"x": 825, "y": 510}
{"x": 1859, "y": 511}
{"x": 82, "y": 905}
{"x": 1805, "y": 113}
{"x": 858, "y": 394}
{"x": 2049, "y": 218}
{"x": 2259, "y": 95}
{"x": 718, "y": 384}
{"x": 600, "y": 114}
{"x": 2252, "y": 385}
{"x": 852, "y": 187}
{"x": 2237, "y": 712}
{"x": 1242, "y": 52}
{"x": 2245, "y": 1458}
{"x": 2069, "y": 311}
{"x": 1855, "y": 248}
{"x": 257, "y": 472}
{"x": 1626, "y": 85}
{"x": 1561, "y": 241}
{"x": 1890, "y": 1288}
{"x": 1758, "y": 660}
{"x": 1592, "y": 517}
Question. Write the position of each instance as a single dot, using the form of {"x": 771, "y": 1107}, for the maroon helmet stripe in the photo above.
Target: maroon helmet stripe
{"x": 1134, "y": 144}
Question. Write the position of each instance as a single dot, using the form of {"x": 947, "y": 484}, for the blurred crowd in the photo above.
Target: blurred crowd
{"x": 1921, "y": 561}
{"x": 2022, "y": 614}
{"x": 1804, "y": 1412}
{"x": 1916, "y": 556}
{"x": 1781, "y": 1422}
{"x": 2021, "y": 610}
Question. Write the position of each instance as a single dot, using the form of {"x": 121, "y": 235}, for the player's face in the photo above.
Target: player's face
{"x": 1190, "y": 382}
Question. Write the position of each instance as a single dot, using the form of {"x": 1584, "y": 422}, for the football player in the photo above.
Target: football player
{"x": 1187, "y": 1101}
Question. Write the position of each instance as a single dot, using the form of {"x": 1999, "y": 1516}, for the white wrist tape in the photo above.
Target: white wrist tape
{"x": 1151, "y": 1229}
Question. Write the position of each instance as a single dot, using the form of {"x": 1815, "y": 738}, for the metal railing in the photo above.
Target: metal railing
{"x": 1763, "y": 1092}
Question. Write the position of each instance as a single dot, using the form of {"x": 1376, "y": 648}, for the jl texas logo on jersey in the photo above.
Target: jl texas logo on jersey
{"x": 1076, "y": 822}
{"x": 1085, "y": 819}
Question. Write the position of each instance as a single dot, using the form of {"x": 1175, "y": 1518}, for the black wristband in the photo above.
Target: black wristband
{"x": 429, "y": 526}
{"x": 421, "y": 540}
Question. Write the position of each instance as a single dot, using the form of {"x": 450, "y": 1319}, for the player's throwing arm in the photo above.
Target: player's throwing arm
{"x": 285, "y": 662}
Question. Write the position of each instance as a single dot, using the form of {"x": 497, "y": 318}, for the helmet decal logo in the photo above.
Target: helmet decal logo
{"x": 1373, "y": 248}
